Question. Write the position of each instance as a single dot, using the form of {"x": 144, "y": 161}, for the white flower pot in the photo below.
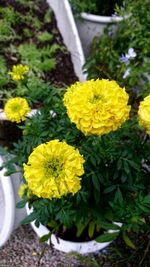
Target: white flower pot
{"x": 10, "y": 216}
{"x": 69, "y": 246}
{"x": 91, "y": 25}
{"x": 67, "y": 27}
{"x": 4, "y": 118}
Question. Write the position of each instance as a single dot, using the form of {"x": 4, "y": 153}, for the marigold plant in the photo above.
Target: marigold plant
{"x": 97, "y": 107}
{"x": 53, "y": 170}
{"x": 18, "y": 72}
{"x": 85, "y": 163}
{"x": 16, "y": 109}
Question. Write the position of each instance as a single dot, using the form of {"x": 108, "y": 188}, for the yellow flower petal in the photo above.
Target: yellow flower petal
{"x": 57, "y": 172}
{"x": 144, "y": 114}
{"x": 16, "y": 109}
{"x": 97, "y": 107}
{"x": 18, "y": 72}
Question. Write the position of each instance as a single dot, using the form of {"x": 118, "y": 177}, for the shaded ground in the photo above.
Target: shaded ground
{"x": 23, "y": 249}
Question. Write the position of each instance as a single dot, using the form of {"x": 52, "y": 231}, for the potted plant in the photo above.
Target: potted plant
{"x": 92, "y": 17}
{"x": 31, "y": 56}
{"x": 123, "y": 54}
{"x": 85, "y": 165}
{"x": 39, "y": 46}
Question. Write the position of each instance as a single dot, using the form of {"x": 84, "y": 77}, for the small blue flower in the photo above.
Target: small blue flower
{"x": 124, "y": 59}
{"x": 131, "y": 53}
{"x": 127, "y": 73}
{"x": 127, "y": 57}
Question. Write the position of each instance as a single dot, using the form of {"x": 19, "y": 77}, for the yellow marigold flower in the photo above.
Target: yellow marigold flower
{"x": 53, "y": 170}
{"x": 16, "y": 109}
{"x": 144, "y": 114}
{"x": 97, "y": 107}
{"x": 18, "y": 72}
{"x": 22, "y": 189}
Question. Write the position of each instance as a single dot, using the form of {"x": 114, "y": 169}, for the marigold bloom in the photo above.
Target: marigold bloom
{"x": 16, "y": 109}
{"x": 53, "y": 170}
{"x": 144, "y": 114}
{"x": 97, "y": 107}
{"x": 18, "y": 72}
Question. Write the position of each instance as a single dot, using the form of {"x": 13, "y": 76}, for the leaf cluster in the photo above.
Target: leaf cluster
{"x": 115, "y": 185}
{"x": 26, "y": 39}
{"x": 104, "y": 60}
{"x": 103, "y": 7}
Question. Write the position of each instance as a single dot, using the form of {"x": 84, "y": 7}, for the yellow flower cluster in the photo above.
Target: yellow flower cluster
{"x": 18, "y": 72}
{"x": 16, "y": 109}
{"x": 53, "y": 170}
{"x": 97, "y": 107}
{"x": 144, "y": 114}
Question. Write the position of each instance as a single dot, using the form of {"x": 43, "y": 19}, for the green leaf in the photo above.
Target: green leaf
{"x": 30, "y": 218}
{"x": 44, "y": 36}
{"x": 128, "y": 241}
{"x": 118, "y": 196}
{"x": 95, "y": 181}
{"x": 109, "y": 226}
{"x": 109, "y": 189}
{"x": 91, "y": 229}
{"x": 107, "y": 237}
{"x": 21, "y": 204}
{"x": 123, "y": 177}
{"x": 119, "y": 164}
{"x": 81, "y": 226}
{"x": 143, "y": 208}
{"x": 147, "y": 200}
{"x": 45, "y": 238}
{"x": 133, "y": 164}
{"x": 126, "y": 167}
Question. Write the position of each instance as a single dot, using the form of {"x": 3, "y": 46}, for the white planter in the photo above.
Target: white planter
{"x": 69, "y": 246}
{"x": 91, "y": 25}
{"x": 10, "y": 216}
{"x": 67, "y": 27}
{"x": 4, "y": 118}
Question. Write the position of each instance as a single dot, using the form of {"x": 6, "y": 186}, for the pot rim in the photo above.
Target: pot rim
{"x": 100, "y": 19}
{"x": 69, "y": 246}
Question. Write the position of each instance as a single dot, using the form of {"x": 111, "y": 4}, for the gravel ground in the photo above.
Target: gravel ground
{"x": 23, "y": 250}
